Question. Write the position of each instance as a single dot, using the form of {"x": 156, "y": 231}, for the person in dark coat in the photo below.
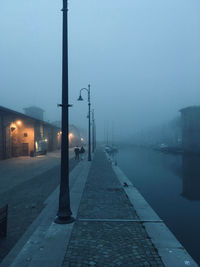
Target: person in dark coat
{"x": 76, "y": 151}
{"x": 82, "y": 151}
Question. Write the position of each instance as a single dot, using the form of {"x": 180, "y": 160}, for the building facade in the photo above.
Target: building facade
{"x": 190, "y": 120}
{"x": 76, "y": 138}
{"x": 23, "y": 135}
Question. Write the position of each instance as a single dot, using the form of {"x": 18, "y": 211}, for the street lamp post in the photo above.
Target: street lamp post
{"x": 95, "y": 136}
{"x": 64, "y": 212}
{"x": 93, "y": 132}
{"x": 89, "y": 130}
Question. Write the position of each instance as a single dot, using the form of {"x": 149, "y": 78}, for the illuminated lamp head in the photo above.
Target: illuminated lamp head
{"x": 19, "y": 123}
{"x": 71, "y": 135}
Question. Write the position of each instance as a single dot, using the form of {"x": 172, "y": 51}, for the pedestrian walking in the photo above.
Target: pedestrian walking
{"x": 76, "y": 151}
{"x": 82, "y": 151}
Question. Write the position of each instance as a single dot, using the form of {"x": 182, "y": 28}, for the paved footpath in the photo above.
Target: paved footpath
{"x": 114, "y": 226}
{"x": 106, "y": 233}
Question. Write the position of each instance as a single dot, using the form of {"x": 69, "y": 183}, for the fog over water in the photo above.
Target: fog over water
{"x": 141, "y": 57}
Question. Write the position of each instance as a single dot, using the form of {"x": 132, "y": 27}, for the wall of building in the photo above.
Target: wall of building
{"x": 5, "y": 139}
{"x": 191, "y": 129}
{"x": 22, "y": 138}
{"x": 2, "y": 142}
{"x": 19, "y": 134}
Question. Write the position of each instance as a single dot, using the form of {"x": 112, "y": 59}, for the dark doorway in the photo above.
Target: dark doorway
{"x": 24, "y": 149}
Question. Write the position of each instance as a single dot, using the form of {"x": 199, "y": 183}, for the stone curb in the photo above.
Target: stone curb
{"x": 169, "y": 248}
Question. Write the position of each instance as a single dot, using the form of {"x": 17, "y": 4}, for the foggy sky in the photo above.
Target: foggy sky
{"x": 141, "y": 57}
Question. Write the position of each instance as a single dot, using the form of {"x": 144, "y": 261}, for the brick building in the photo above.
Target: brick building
{"x": 20, "y": 134}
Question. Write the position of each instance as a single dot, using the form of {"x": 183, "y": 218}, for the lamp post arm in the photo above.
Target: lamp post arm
{"x": 89, "y": 119}
{"x": 83, "y": 89}
{"x": 88, "y": 91}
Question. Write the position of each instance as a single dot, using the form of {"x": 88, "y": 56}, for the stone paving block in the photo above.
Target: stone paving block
{"x": 110, "y": 244}
{"x": 103, "y": 196}
{"x": 100, "y": 237}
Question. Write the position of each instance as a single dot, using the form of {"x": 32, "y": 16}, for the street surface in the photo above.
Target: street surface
{"x": 17, "y": 170}
{"x": 25, "y": 184}
{"x": 171, "y": 185}
{"x": 102, "y": 234}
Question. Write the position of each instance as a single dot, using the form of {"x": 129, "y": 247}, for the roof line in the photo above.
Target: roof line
{"x": 25, "y": 116}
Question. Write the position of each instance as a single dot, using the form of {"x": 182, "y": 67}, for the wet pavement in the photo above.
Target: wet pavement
{"x": 114, "y": 226}
{"x": 26, "y": 197}
{"x": 106, "y": 232}
{"x": 17, "y": 170}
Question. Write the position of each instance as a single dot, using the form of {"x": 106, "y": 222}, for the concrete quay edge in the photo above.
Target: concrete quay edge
{"x": 169, "y": 248}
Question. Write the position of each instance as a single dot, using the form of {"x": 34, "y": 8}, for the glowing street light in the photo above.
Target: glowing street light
{"x": 19, "y": 123}
{"x": 71, "y": 136}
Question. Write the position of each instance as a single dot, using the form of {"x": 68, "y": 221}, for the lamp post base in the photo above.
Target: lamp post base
{"x": 64, "y": 220}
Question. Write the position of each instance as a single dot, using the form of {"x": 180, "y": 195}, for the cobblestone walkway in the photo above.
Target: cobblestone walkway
{"x": 106, "y": 232}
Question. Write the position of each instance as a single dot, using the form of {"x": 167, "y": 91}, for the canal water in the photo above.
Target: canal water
{"x": 171, "y": 185}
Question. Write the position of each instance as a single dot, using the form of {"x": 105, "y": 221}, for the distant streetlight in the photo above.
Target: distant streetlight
{"x": 64, "y": 212}
{"x": 89, "y": 132}
{"x": 93, "y": 133}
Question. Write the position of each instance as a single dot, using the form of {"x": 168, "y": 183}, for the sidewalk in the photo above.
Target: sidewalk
{"x": 105, "y": 233}
{"x": 114, "y": 226}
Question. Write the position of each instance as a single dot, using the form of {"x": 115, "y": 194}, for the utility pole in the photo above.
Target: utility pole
{"x": 89, "y": 125}
{"x": 64, "y": 211}
{"x": 93, "y": 132}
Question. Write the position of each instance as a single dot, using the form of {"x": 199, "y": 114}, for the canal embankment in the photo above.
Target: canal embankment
{"x": 114, "y": 225}
{"x": 170, "y": 184}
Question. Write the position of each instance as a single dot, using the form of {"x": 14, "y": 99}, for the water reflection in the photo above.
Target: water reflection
{"x": 191, "y": 177}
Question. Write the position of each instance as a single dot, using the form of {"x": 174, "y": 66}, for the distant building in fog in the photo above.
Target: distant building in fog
{"x": 34, "y": 112}
{"x": 168, "y": 133}
{"x": 190, "y": 118}
{"x": 22, "y": 135}
{"x": 57, "y": 123}
{"x": 75, "y": 135}
{"x": 190, "y": 176}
